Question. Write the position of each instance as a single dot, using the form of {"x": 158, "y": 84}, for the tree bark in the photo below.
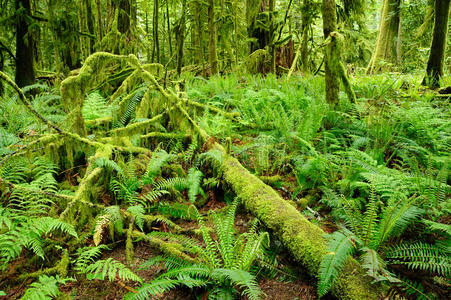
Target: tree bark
{"x": 386, "y": 44}
{"x": 180, "y": 37}
{"x": 156, "y": 43}
{"x": 434, "y": 69}
{"x": 329, "y": 26}
{"x": 212, "y": 55}
{"x": 306, "y": 23}
{"x": 197, "y": 21}
{"x": 25, "y": 70}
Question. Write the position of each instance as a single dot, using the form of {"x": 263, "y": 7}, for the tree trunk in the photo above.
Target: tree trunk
{"x": 125, "y": 13}
{"x": 156, "y": 43}
{"x": 272, "y": 33}
{"x": 212, "y": 56}
{"x": 329, "y": 26}
{"x": 306, "y": 22}
{"x": 387, "y": 36}
{"x": 304, "y": 240}
{"x": 258, "y": 37}
{"x": 197, "y": 21}
{"x": 434, "y": 70}
{"x": 180, "y": 37}
{"x": 169, "y": 29}
{"x": 64, "y": 28}
{"x": 25, "y": 71}
{"x": 99, "y": 20}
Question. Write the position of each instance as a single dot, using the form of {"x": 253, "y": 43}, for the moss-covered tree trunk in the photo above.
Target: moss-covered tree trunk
{"x": 212, "y": 38}
{"x": 386, "y": 43}
{"x": 303, "y": 239}
{"x": 64, "y": 26}
{"x": 125, "y": 12}
{"x": 259, "y": 37}
{"x": 25, "y": 70}
{"x": 434, "y": 70}
{"x": 329, "y": 26}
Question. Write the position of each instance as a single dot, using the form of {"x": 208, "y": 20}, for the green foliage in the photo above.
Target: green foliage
{"x": 45, "y": 289}
{"x": 95, "y": 107}
{"x": 86, "y": 256}
{"x": 225, "y": 263}
{"x": 340, "y": 246}
{"x": 29, "y": 233}
{"x": 110, "y": 268}
{"x": 421, "y": 256}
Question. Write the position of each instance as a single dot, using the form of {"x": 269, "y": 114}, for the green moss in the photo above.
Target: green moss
{"x": 129, "y": 252}
{"x": 304, "y": 240}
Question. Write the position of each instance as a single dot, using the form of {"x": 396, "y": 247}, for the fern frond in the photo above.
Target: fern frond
{"x": 421, "y": 256}
{"x": 242, "y": 279}
{"x": 86, "y": 256}
{"x": 339, "y": 248}
{"x": 45, "y": 288}
{"x": 137, "y": 211}
{"x": 154, "y": 288}
{"x": 194, "y": 180}
{"x": 110, "y": 268}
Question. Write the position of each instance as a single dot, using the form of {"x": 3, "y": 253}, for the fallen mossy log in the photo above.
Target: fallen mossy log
{"x": 304, "y": 240}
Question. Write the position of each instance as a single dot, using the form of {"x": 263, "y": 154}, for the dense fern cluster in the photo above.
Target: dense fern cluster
{"x": 377, "y": 169}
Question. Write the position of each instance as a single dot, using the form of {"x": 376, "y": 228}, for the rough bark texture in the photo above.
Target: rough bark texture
{"x": 386, "y": 44}
{"x": 212, "y": 55}
{"x": 304, "y": 240}
{"x": 25, "y": 72}
{"x": 329, "y": 26}
{"x": 434, "y": 70}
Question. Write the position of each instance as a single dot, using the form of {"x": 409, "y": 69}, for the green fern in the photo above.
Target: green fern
{"x": 339, "y": 248}
{"x": 110, "y": 268}
{"x": 45, "y": 288}
{"x": 194, "y": 180}
{"x": 95, "y": 107}
{"x": 87, "y": 256}
{"x": 421, "y": 256}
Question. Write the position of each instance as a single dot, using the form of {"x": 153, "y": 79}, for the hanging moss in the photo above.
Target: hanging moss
{"x": 74, "y": 88}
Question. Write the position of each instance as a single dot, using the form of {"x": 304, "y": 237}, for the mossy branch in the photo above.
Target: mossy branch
{"x": 27, "y": 103}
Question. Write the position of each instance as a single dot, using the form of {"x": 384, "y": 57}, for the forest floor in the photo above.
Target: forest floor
{"x": 394, "y": 143}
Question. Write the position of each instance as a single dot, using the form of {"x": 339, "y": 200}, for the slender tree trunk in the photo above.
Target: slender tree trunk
{"x": 180, "y": 37}
{"x": 212, "y": 55}
{"x": 306, "y": 22}
{"x": 99, "y": 20}
{"x": 434, "y": 69}
{"x": 197, "y": 21}
{"x": 156, "y": 43}
{"x": 272, "y": 33}
{"x": 169, "y": 28}
{"x": 329, "y": 26}
{"x": 387, "y": 36}
{"x": 25, "y": 70}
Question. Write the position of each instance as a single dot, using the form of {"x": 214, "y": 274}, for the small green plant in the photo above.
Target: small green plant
{"x": 222, "y": 266}
{"x": 45, "y": 288}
